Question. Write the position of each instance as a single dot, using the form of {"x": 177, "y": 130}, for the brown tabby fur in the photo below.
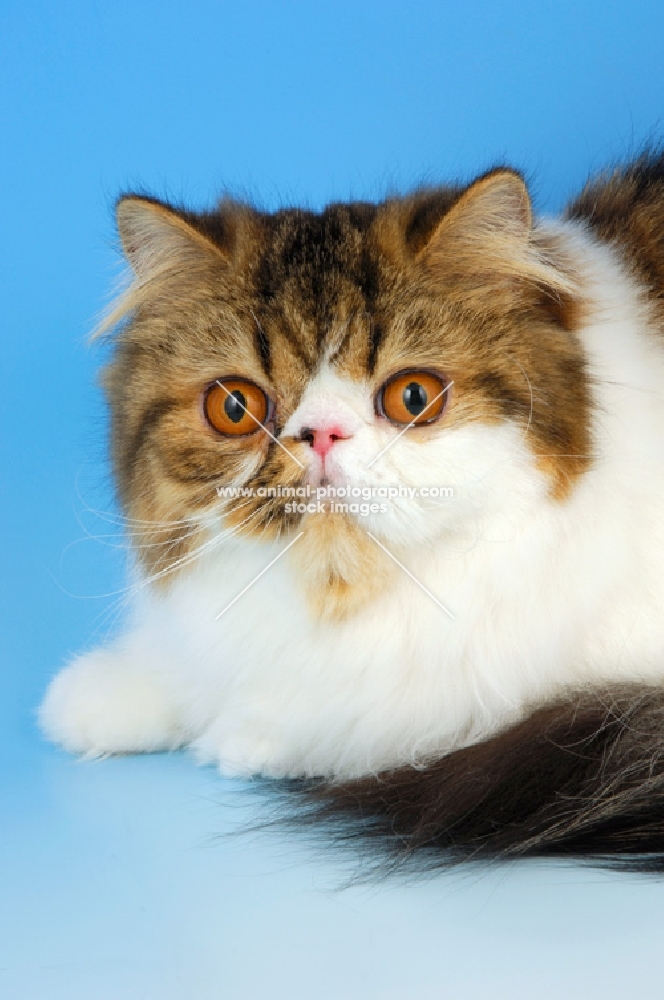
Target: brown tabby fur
{"x": 626, "y": 207}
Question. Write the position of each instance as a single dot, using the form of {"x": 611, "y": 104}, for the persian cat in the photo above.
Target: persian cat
{"x": 393, "y": 476}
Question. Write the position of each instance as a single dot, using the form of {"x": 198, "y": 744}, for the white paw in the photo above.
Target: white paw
{"x": 100, "y": 705}
{"x": 236, "y": 756}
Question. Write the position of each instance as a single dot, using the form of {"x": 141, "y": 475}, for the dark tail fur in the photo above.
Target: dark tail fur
{"x": 580, "y": 779}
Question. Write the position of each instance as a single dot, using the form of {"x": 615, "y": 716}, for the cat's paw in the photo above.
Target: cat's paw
{"x": 100, "y": 705}
{"x": 236, "y": 755}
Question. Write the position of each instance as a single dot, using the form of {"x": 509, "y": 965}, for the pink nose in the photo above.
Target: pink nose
{"x": 321, "y": 439}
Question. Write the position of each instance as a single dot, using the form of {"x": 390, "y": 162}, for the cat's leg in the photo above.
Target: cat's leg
{"x": 113, "y": 700}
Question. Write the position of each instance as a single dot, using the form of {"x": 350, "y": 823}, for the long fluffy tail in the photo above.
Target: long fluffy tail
{"x": 580, "y": 779}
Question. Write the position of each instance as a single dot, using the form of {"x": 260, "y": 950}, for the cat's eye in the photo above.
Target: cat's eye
{"x": 412, "y": 397}
{"x": 235, "y": 406}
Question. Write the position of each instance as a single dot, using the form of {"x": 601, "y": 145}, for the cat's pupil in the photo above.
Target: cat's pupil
{"x": 235, "y": 406}
{"x": 414, "y": 398}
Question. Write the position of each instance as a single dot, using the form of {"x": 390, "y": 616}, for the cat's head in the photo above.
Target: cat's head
{"x": 420, "y": 342}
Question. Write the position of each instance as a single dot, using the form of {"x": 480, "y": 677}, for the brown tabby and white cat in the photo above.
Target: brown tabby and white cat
{"x": 470, "y": 662}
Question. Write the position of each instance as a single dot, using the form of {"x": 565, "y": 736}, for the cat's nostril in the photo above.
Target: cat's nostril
{"x": 322, "y": 439}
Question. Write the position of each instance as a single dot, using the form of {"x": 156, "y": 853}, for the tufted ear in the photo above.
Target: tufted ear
{"x": 492, "y": 220}
{"x": 487, "y": 243}
{"x": 155, "y": 238}
{"x": 166, "y": 252}
{"x": 495, "y": 206}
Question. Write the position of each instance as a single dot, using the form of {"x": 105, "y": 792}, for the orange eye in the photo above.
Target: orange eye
{"x": 412, "y": 397}
{"x": 236, "y": 407}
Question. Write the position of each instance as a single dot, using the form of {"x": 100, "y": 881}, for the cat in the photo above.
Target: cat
{"x": 393, "y": 475}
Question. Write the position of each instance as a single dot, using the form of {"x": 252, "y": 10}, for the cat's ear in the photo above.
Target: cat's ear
{"x": 494, "y": 208}
{"x": 155, "y": 238}
{"x": 166, "y": 252}
{"x": 487, "y": 240}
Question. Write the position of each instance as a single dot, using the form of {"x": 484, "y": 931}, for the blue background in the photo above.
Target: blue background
{"x": 113, "y": 883}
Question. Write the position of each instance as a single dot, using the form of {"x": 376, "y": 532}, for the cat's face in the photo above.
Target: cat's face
{"x": 368, "y": 346}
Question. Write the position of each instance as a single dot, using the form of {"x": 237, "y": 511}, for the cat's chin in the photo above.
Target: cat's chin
{"x": 338, "y": 566}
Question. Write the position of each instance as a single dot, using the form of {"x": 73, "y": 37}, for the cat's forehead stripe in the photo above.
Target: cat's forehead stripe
{"x": 262, "y": 345}
{"x": 318, "y": 266}
{"x": 317, "y": 279}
